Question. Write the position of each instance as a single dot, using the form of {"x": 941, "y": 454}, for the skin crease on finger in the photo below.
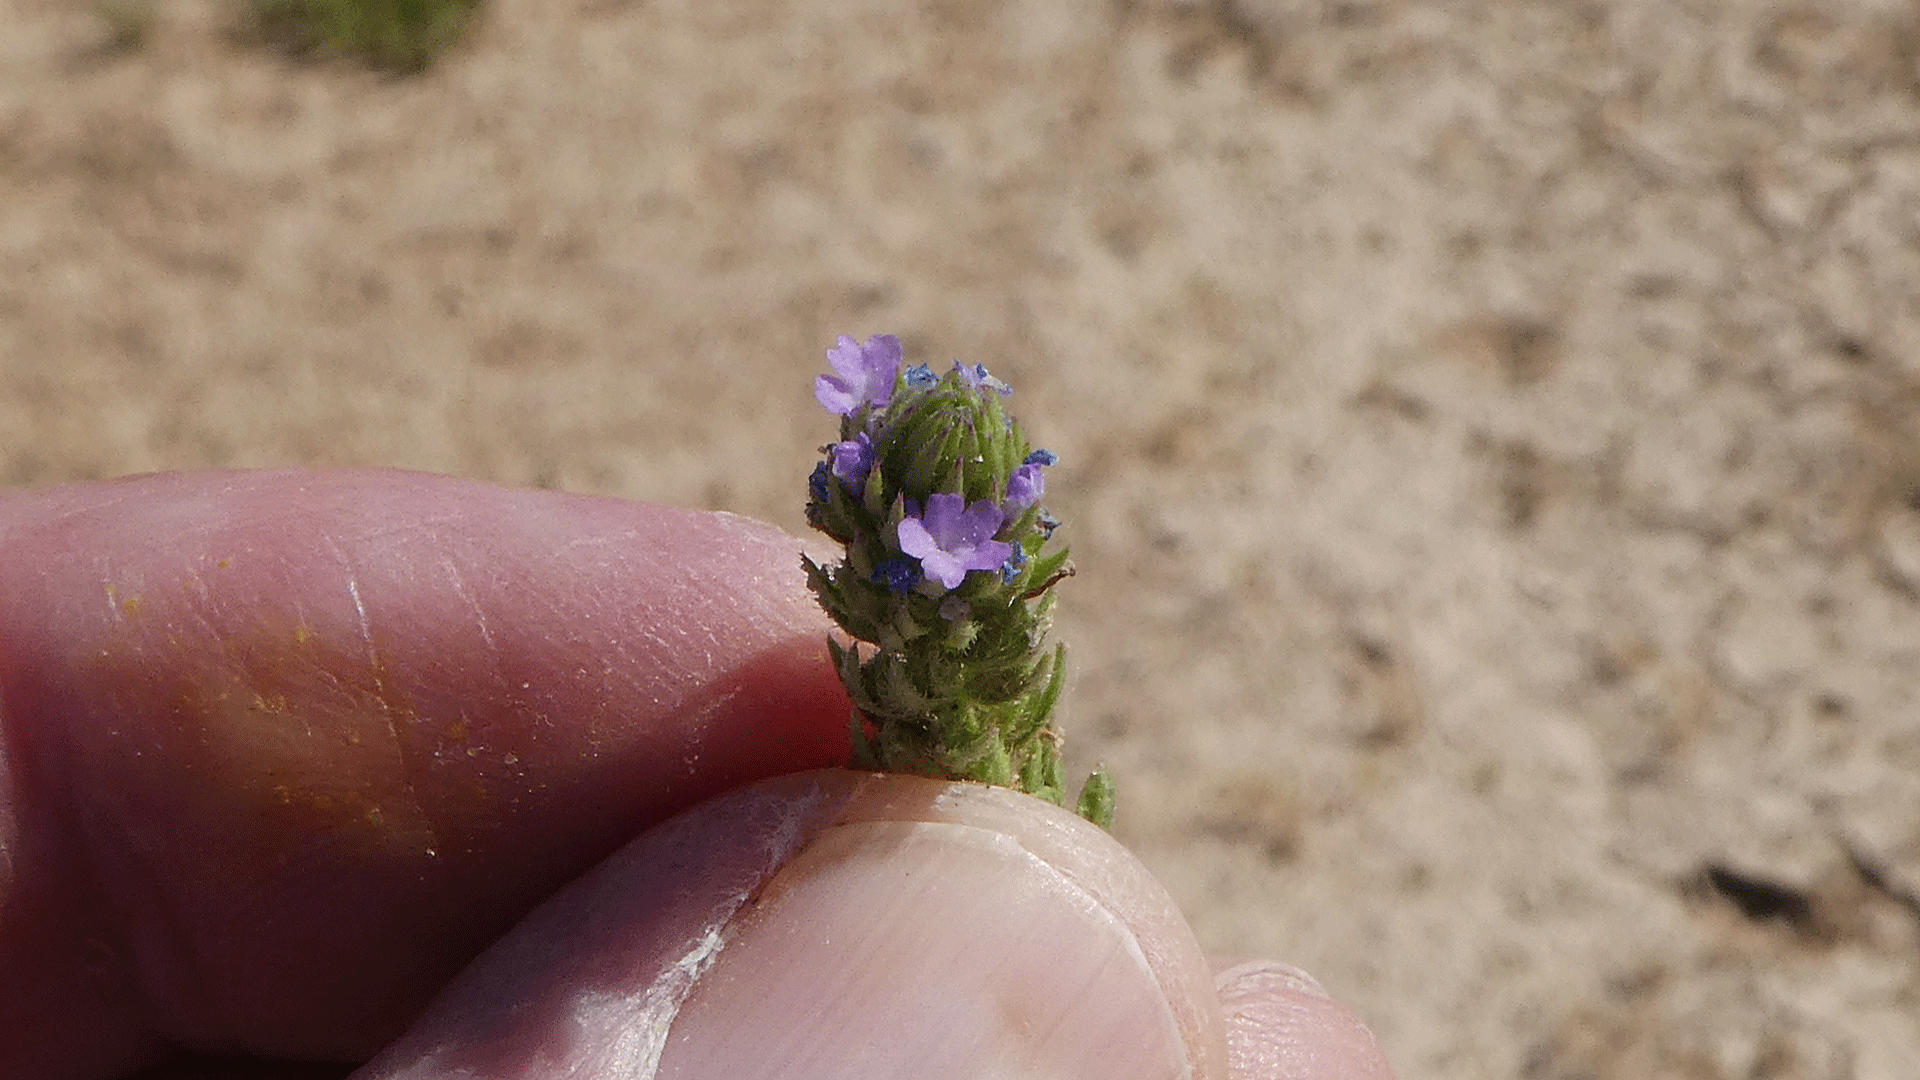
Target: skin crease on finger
{"x": 282, "y": 751}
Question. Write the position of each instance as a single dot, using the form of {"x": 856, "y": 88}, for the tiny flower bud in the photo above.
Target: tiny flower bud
{"x": 852, "y": 458}
{"x": 1025, "y": 487}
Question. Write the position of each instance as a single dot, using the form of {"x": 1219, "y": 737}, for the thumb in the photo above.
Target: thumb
{"x": 841, "y": 925}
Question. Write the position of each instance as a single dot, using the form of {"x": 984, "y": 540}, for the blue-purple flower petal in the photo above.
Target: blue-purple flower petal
{"x": 817, "y": 483}
{"x": 1010, "y": 570}
{"x": 899, "y": 574}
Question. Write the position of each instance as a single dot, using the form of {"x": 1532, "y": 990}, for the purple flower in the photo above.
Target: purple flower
{"x": 852, "y": 460}
{"x": 865, "y": 374}
{"x": 1043, "y": 457}
{"x": 920, "y": 377}
{"x": 952, "y": 538}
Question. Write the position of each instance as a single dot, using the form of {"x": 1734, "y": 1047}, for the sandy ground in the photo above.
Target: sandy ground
{"x": 1489, "y": 432}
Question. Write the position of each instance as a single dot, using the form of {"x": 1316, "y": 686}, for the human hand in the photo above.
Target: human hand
{"x": 284, "y": 751}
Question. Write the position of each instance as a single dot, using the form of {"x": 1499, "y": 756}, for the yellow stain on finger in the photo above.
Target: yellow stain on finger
{"x": 279, "y": 731}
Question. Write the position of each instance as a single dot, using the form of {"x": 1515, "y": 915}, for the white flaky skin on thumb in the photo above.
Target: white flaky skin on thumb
{"x": 844, "y": 925}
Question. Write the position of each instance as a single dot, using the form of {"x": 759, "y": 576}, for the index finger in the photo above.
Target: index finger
{"x": 283, "y": 750}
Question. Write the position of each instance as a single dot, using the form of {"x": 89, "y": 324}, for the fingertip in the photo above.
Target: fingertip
{"x": 1281, "y": 1025}
{"x": 891, "y": 926}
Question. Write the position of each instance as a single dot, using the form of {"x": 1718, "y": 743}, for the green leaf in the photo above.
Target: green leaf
{"x": 1096, "y": 799}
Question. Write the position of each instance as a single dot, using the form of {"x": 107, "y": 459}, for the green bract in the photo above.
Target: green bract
{"x": 951, "y": 674}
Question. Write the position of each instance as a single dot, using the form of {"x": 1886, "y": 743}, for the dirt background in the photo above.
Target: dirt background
{"x": 1489, "y": 432}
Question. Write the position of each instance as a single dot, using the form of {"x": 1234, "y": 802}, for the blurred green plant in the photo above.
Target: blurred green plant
{"x": 398, "y": 35}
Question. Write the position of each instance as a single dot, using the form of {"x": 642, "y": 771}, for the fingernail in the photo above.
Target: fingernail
{"x": 926, "y": 949}
{"x": 1260, "y": 976}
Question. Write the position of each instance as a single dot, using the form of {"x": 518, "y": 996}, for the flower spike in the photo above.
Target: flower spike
{"x": 946, "y": 583}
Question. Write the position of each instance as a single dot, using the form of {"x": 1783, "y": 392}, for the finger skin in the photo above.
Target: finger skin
{"x": 1282, "y": 1026}
{"x": 845, "y": 925}
{"x": 280, "y": 752}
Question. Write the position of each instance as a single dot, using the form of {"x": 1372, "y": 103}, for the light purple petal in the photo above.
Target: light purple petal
{"x": 864, "y": 373}
{"x": 942, "y": 517}
{"x": 944, "y": 569}
{"x": 846, "y": 356}
{"x": 979, "y": 523}
{"x": 988, "y": 556}
{"x": 835, "y": 396}
{"x": 883, "y": 352}
{"x": 914, "y": 538}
